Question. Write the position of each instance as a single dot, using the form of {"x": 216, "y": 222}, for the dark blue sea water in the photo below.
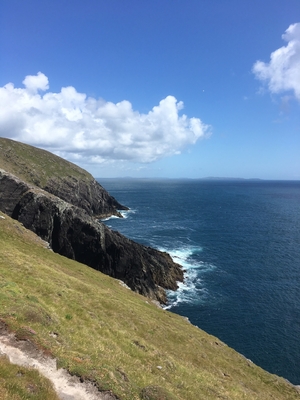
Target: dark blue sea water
{"x": 239, "y": 242}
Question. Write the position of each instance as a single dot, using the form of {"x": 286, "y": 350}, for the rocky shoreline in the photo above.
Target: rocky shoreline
{"x": 69, "y": 221}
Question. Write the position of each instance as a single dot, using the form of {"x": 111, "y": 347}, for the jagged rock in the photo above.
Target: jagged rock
{"x": 90, "y": 196}
{"x": 72, "y": 232}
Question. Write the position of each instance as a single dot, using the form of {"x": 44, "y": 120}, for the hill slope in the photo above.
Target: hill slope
{"x": 57, "y": 176}
{"x": 70, "y": 226}
{"x": 103, "y": 332}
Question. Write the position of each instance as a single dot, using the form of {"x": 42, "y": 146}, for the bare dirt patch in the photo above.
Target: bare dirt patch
{"x": 68, "y": 387}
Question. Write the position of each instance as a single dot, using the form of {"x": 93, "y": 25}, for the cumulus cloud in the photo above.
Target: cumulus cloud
{"x": 92, "y": 130}
{"x": 282, "y": 73}
{"x": 33, "y": 83}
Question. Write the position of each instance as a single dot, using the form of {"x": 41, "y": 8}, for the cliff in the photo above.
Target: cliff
{"x": 73, "y": 231}
{"x": 57, "y": 176}
{"x": 114, "y": 340}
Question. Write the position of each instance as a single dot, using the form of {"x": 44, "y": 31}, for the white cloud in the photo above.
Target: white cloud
{"x": 282, "y": 73}
{"x": 91, "y": 130}
{"x": 36, "y": 82}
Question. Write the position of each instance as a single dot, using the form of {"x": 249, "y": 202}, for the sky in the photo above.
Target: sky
{"x": 157, "y": 88}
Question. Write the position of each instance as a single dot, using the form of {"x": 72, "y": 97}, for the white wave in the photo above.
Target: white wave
{"x": 183, "y": 256}
{"x": 108, "y": 218}
{"x": 192, "y": 290}
{"x": 125, "y": 214}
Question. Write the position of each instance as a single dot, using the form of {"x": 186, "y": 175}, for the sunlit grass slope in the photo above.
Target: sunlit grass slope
{"x": 105, "y": 333}
{"x": 35, "y": 165}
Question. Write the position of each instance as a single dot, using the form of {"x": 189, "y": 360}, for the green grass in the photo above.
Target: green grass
{"x": 37, "y": 166}
{"x": 103, "y": 332}
{"x": 19, "y": 383}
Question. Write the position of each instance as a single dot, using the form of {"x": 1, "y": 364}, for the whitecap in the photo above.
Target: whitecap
{"x": 108, "y": 218}
{"x": 125, "y": 213}
{"x": 192, "y": 290}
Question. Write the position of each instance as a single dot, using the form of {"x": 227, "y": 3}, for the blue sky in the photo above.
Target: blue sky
{"x": 169, "y": 88}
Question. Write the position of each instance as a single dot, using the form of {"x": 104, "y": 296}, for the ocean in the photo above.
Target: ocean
{"x": 239, "y": 243}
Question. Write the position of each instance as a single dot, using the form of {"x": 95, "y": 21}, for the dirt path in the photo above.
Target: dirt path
{"x": 67, "y": 387}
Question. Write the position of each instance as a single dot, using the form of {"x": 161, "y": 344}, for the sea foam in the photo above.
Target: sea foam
{"x": 124, "y": 213}
{"x": 192, "y": 290}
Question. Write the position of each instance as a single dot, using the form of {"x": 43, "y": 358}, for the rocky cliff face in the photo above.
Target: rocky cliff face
{"x": 57, "y": 176}
{"x": 90, "y": 196}
{"x": 72, "y": 231}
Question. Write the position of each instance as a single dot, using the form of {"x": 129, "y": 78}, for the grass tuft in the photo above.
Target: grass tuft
{"x": 156, "y": 393}
{"x": 20, "y": 383}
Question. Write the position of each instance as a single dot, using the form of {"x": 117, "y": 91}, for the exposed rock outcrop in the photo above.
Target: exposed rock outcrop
{"x": 57, "y": 176}
{"x": 88, "y": 195}
{"x": 72, "y": 232}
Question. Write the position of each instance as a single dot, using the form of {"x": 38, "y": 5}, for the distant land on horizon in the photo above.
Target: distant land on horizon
{"x": 208, "y": 178}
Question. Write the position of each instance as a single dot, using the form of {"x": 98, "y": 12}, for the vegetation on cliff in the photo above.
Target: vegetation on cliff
{"x": 62, "y": 216}
{"x": 91, "y": 324}
{"x": 101, "y": 331}
{"x": 57, "y": 176}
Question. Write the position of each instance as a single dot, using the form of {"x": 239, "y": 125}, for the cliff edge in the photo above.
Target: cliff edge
{"x": 38, "y": 200}
{"x": 57, "y": 176}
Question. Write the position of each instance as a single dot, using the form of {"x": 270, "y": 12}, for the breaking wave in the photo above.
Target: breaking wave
{"x": 193, "y": 289}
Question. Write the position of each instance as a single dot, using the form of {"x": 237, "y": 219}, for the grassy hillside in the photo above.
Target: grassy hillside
{"x": 105, "y": 333}
{"x": 19, "y": 383}
{"x": 35, "y": 165}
